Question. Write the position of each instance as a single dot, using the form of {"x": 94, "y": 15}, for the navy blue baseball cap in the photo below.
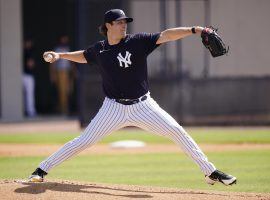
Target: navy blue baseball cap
{"x": 116, "y": 14}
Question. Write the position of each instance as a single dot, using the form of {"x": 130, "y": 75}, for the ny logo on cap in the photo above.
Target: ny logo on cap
{"x": 125, "y": 60}
{"x": 121, "y": 12}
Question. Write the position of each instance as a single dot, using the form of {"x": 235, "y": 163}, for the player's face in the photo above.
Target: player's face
{"x": 119, "y": 28}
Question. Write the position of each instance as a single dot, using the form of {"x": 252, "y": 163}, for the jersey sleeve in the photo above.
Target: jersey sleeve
{"x": 90, "y": 55}
{"x": 149, "y": 41}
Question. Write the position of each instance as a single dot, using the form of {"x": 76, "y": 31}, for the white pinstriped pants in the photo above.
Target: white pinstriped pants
{"x": 146, "y": 115}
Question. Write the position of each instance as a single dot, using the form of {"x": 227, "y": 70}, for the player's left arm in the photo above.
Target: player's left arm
{"x": 173, "y": 34}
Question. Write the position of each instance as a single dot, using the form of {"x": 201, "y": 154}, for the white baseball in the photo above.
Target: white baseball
{"x": 48, "y": 57}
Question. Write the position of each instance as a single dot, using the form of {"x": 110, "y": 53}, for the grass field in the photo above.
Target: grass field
{"x": 203, "y": 135}
{"x": 251, "y": 167}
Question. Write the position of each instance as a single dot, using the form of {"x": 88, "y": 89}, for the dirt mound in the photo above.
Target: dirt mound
{"x": 14, "y": 189}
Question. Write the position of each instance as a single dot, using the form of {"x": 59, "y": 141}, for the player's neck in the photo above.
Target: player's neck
{"x": 113, "y": 40}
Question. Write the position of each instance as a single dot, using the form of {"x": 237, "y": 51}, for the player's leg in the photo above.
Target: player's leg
{"x": 63, "y": 90}
{"x": 32, "y": 109}
{"x": 110, "y": 117}
{"x": 29, "y": 87}
{"x": 149, "y": 116}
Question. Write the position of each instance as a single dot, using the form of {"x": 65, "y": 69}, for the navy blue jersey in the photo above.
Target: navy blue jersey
{"x": 123, "y": 66}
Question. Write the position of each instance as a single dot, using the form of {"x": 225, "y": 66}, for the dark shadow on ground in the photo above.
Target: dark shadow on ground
{"x": 37, "y": 188}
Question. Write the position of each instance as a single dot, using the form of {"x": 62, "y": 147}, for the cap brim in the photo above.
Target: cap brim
{"x": 129, "y": 19}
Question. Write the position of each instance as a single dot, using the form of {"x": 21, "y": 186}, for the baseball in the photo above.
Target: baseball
{"x": 48, "y": 57}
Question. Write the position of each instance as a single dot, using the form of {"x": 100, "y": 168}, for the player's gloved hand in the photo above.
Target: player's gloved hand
{"x": 51, "y": 56}
{"x": 213, "y": 42}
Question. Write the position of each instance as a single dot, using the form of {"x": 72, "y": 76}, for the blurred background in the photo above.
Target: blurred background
{"x": 185, "y": 80}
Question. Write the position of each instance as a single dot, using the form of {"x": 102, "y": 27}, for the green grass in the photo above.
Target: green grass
{"x": 37, "y": 138}
{"x": 164, "y": 169}
{"x": 167, "y": 170}
{"x": 201, "y": 135}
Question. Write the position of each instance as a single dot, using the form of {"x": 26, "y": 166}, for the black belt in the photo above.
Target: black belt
{"x": 131, "y": 101}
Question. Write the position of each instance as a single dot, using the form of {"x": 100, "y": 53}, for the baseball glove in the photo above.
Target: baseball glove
{"x": 213, "y": 42}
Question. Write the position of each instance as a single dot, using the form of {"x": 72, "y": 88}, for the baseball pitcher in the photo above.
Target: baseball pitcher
{"x": 122, "y": 61}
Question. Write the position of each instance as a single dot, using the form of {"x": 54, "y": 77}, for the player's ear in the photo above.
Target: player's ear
{"x": 108, "y": 25}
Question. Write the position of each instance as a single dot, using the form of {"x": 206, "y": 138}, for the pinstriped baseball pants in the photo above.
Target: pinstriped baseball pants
{"x": 146, "y": 115}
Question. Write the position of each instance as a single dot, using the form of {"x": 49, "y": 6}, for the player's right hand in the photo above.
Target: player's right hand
{"x": 55, "y": 56}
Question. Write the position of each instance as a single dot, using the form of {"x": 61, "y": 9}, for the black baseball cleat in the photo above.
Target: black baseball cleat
{"x": 218, "y": 176}
{"x": 37, "y": 176}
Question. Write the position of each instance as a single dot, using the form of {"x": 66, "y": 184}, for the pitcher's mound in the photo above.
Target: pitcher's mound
{"x": 15, "y": 189}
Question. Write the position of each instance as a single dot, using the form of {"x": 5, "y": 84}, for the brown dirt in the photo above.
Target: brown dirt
{"x": 65, "y": 126}
{"x": 44, "y": 150}
{"x": 15, "y": 189}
